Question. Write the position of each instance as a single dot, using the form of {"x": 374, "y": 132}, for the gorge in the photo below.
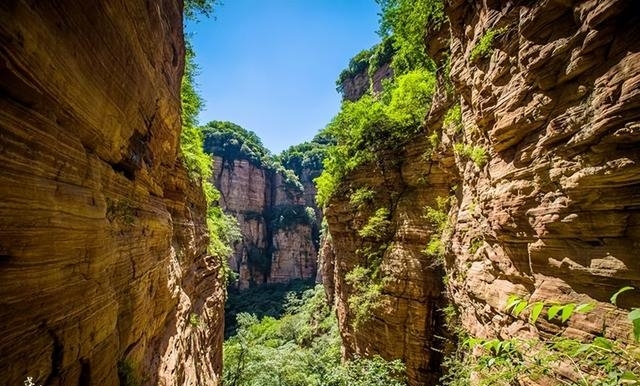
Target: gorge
{"x": 473, "y": 206}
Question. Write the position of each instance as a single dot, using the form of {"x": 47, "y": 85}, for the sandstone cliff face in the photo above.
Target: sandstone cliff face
{"x": 277, "y": 244}
{"x": 103, "y": 265}
{"x": 553, "y": 214}
{"x": 407, "y": 322}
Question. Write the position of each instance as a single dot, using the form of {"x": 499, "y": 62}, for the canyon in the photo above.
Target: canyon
{"x": 524, "y": 175}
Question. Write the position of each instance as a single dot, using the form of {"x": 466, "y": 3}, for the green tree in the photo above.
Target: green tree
{"x": 407, "y": 21}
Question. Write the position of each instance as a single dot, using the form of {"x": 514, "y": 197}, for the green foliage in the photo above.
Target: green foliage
{"x": 197, "y": 162}
{"x": 634, "y": 314}
{"x": 365, "y": 128}
{"x": 307, "y": 156}
{"x": 614, "y": 297}
{"x": 230, "y": 141}
{"x": 127, "y": 374}
{"x": 365, "y": 298}
{"x": 484, "y": 47}
{"x": 299, "y": 348}
{"x": 453, "y": 119}
{"x": 192, "y": 8}
{"x": 120, "y": 211}
{"x": 223, "y": 229}
{"x": 377, "y": 227}
{"x": 477, "y": 154}
{"x": 381, "y": 54}
{"x": 437, "y": 215}
{"x": 194, "y": 320}
{"x": 599, "y": 361}
{"x": 263, "y": 300}
{"x": 564, "y": 312}
{"x": 411, "y": 98}
{"x": 407, "y": 21}
{"x": 361, "y": 198}
{"x": 439, "y": 219}
{"x": 357, "y": 65}
{"x": 287, "y": 216}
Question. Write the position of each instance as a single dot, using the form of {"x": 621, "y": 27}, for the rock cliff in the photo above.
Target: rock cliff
{"x": 553, "y": 215}
{"x": 539, "y": 179}
{"x": 276, "y": 223}
{"x": 104, "y": 276}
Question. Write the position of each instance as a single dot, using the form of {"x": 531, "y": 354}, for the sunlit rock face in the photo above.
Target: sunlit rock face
{"x": 277, "y": 242}
{"x": 103, "y": 267}
{"x": 554, "y": 213}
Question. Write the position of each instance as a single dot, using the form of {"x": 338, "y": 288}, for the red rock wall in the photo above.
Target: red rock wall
{"x": 407, "y": 322}
{"x": 556, "y": 104}
{"x": 102, "y": 236}
{"x": 265, "y": 254}
{"x": 554, "y": 213}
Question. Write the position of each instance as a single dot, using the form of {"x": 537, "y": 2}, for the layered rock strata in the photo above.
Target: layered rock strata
{"x": 553, "y": 215}
{"x": 277, "y": 228}
{"x": 104, "y": 276}
{"x": 541, "y": 179}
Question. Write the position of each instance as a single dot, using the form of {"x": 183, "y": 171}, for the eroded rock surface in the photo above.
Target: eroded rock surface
{"x": 277, "y": 235}
{"x": 553, "y": 213}
{"x": 103, "y": 264}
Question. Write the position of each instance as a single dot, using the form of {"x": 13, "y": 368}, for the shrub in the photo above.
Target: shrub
{"x": 378, "y": 226}
{"x": 361, "y": 197}
{"x": 453, "y": 119}
{"x": 477, "y": 154}
{"x": 365, "y": 298}
{"x": 410, "y": 100}
{"x": 484, "y": 47}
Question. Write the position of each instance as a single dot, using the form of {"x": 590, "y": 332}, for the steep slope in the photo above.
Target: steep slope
{"x": 278, "y": 224}
{"x": 555, "y": 101}
{"x": 533, "y": 154}
{"x": 104, "y": 276}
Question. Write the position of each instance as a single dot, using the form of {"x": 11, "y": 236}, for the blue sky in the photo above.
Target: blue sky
{"x": 270, "y": 66}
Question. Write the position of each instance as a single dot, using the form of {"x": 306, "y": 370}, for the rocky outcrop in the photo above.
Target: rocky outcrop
{"x": 277, "y": 228}
{"x": 104, "y": 276}
{"x": 540, "y": 176}
{"x": 356, "y": 86}
{"x": 406, "y": 322}
{"x": 554, "y": 213}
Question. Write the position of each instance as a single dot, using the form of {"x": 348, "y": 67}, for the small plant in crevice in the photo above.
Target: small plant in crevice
{"x": 438, "y": 218}
{"x": 120, "y": 211}
{"x": 452, "y": 122}
{"x": 194, "y": 319}
{"x": 378, "y": 226}
{"x": 362, "y": 197}
{"x": 475, "y": 244}
{"x": 365, "y": 298}
{"x": 127, "y": 374}
{"x": 475, "y": 153}
{"x": 484, "y": 47}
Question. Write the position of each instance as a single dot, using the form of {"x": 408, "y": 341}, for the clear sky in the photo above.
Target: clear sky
{"x": 270, "y": 65}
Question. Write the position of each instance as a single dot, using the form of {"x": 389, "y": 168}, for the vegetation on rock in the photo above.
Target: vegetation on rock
{"x": 223, "y": 228}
